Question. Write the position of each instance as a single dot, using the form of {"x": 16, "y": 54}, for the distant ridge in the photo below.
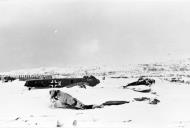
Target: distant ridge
{"x": 134, "y": 69}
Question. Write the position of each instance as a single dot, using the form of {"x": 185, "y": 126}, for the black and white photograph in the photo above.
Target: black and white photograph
{"x": 95, "y": 64}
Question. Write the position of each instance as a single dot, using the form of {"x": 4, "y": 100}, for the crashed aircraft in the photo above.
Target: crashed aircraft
{"x": 62, "y": 82}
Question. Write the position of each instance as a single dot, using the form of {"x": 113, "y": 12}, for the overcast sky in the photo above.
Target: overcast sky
{"x": 37, "y": 33}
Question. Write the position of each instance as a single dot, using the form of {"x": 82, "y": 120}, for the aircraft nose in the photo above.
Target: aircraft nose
{"x": 98, "y": 81}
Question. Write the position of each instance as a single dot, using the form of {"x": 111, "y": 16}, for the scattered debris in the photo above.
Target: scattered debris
{"x": 114, "y": 102}
{"x": 154, "y": 93}
{"x": 150, "y": 100}
{"x": 140, "y": 88}
{"x": 176, "y": 80}
{"x": 141, "y": 81}
{"x": 17, "y": 118}
{"x": 8, "y": 78}
{"x": 59, "y": 124}
{"x": 75, "y": 123}
{"x": 143, "y": 84}
{"x": 61, "y": 99}
{"x": 154, "y": 101}
{"x": 141, "y": 99}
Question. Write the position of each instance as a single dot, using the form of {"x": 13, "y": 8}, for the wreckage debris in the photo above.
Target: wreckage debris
{"x": 143, "y": 84}
{"x": 154, "y": 101}
{"x": 59, "y": 124}
{"x": 75, "y": 123}
{"x": 176, "y": 79}
{"x": 64, "y": 82}
{"x": 141, "y": 99}
{"x": 114, "y": 102}
{"x": 61, "y": 99}
{"x": 150, "y": 100}
{"x": 140, "y": 88}
{"x": 141, "y": 81}
{"x": 8, "y": 79}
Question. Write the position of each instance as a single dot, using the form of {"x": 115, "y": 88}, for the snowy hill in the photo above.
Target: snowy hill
{"x": 161, "y": 69}
{"x": 23, "y": 108}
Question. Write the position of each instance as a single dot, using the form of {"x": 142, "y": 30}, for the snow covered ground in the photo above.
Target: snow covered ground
{"x": 21, "y": 108}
